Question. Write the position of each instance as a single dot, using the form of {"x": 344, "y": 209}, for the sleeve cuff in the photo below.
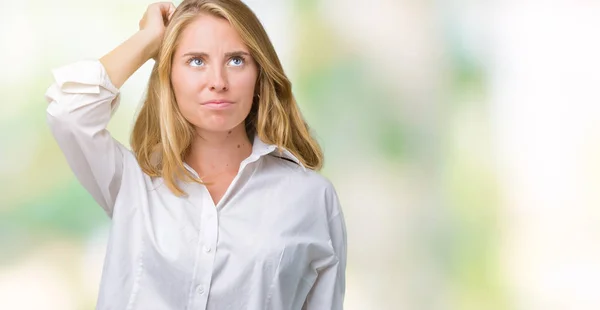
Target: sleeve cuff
{"x": 85, "y": 77}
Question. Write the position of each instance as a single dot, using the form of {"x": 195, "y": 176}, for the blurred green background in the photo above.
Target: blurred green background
{"x": 463, "y": 138}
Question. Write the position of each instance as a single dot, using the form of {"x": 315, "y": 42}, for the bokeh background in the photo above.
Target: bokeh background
{"x": 463, "y": 138}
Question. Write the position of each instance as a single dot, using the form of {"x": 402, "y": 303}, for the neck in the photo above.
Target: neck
{"x": 214, "y": 153}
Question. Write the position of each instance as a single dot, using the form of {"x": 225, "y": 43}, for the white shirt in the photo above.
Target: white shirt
{"x": 276, "y": 240}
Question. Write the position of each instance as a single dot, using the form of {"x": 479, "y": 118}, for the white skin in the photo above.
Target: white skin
{"x": 221, "y": 143}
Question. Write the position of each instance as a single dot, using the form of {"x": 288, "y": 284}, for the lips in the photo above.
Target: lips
{"x": 217, "y": 104}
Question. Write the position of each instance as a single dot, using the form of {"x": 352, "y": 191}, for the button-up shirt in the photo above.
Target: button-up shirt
{"x": 276, "y": 239}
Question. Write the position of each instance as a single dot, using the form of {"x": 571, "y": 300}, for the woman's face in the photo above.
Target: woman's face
{"x": 213, "y": 75}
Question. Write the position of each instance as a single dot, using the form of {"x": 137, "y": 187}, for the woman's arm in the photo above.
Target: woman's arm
{"x": 124, "y": 60}
{"x": 330, "y": 287}
{"x": 83, "y": 98}
{"x": 128, "y": 57}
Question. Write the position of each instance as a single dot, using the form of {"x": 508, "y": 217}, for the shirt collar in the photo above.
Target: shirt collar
{"x": 260, "y": 148}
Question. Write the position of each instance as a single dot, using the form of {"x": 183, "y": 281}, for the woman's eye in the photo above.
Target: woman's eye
{"x": 237, "y": 61}
{"x": 196, "y": 62}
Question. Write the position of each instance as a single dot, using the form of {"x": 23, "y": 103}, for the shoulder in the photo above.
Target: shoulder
{"x": 286, "y": 168}
{"x": 303, "y": 184}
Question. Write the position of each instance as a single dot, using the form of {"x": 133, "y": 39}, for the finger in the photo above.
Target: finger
{"x": 161, "y": 7}
{"x": 165, "y": 7}
{"x": 171, "y": 11}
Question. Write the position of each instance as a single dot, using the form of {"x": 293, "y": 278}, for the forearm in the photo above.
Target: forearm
{"x": 125, "y": 59}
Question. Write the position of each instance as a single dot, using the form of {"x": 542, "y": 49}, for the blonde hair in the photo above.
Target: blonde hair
{"x": 162, "y": 137}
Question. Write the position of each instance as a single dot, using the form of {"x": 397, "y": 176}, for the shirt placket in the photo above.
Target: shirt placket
{"x": 207, "y": 241}
{"x": 205, "y": 253}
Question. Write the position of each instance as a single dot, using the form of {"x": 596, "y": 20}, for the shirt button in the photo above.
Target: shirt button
{"x": 200, "y": 289}
{"x": 206, "y": 249}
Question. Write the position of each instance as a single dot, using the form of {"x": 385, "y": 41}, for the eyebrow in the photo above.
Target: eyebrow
{"x": 205, "y": 55}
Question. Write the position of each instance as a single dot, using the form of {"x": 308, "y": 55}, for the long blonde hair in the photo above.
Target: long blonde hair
{"x": 162, "y": 137}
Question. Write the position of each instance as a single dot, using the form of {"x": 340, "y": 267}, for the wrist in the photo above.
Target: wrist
{"x": 150, "y": 43}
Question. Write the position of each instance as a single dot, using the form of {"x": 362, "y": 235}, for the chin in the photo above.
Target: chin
{"x": 215, "y": 123}
{"x": 218, "y": 127}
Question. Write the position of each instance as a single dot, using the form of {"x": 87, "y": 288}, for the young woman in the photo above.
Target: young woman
{"x": 218, "y": 205}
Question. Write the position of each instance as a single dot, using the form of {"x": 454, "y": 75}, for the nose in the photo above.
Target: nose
{"x": 218, "y": 82}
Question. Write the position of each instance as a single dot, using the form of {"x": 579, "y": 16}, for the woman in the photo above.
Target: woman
{"x": 217, "y": 205}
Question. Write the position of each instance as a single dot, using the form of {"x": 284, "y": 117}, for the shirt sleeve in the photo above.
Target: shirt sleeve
{"x": 330, "y": 286}
{"x": 81, "y": 101}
